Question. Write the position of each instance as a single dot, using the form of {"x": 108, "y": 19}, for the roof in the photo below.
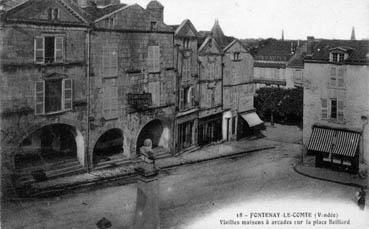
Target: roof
{"x": 357, "y": 49}
{"x": 183, "y": 29}
{"x": 98, "y": 12}
{"x": 219, "y": 36}
{"x": 277, "y": 50}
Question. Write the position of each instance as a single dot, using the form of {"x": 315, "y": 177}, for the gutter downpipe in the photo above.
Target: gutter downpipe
{"x": 88, "y": 38}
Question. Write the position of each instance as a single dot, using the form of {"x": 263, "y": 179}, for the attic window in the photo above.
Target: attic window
{"x": 186, "y": 43}
{"x": 338, "y": 57}
{"x": 53, "y": 14}
{"x": 153, "y": 25}
{"x": 236, "y": 56}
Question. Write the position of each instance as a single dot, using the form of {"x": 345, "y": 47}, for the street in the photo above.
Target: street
{"x": 200, "y": 195}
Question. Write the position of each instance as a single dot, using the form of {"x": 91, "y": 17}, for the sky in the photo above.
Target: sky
{"x": 331, "y": 19}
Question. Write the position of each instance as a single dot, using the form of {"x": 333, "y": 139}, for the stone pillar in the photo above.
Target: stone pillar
{"x": 147, "y": 204}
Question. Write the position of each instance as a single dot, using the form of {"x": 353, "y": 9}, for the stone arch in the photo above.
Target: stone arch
{"x": 108, "y": 145}
{"x": 49, "y": 148}
{"x": 159, "y": 132}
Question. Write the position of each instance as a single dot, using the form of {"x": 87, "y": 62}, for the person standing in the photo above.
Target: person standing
{"x": 361, "y": 199}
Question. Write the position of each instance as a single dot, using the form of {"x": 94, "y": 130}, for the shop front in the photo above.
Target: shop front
{"x": 210, "y": 129}
{"x": 335, "y": 148}
{"x": 249, "y": 124}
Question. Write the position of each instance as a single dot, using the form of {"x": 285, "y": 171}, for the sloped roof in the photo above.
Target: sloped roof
{"x": 98, "y": 12}
{"x": 205, "y": 43}
{"x": 219, "y": 36}
{"x": 182, "y": 29}
{"x": 277, "y": 50}
{"x": 357, "y": 49}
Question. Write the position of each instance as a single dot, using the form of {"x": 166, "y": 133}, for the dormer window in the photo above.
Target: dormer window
{"x": 338, "y": 57}
{"x": 186, "y": 43}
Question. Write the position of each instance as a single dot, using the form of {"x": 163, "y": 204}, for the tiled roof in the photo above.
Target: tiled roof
{"x": 219, "y": 36}
{"x": 357, "y": 49}
{"x": 98, "y": 12}
{"x": 277, "y": 50}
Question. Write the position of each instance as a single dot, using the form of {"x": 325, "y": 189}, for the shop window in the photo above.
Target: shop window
{"x": 185, "y": 134}
{"x": 53, "y": 96}
{"x": 49, "y": 49}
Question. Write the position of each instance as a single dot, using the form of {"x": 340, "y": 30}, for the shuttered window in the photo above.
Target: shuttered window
{"x": 67, "y": 94}
{"x": 110, "y": 99}
{"x": 59, "y": 49}
{"x": 340, "y": 110}
{"x": 54, "y": 95}
{"x": 154, "y": 89}
{"x": 153, "y": 59}
{"x": 48, "y": 49}
{"x": 40, "y": 97}
{"x": 341, "y": 81}
{"x": 39, "y": 49}
{"x": 109, "y": 60}
{"x": 324, "y": 108}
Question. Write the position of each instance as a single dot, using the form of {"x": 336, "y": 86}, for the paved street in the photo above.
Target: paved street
{"x": 199, "y": 195}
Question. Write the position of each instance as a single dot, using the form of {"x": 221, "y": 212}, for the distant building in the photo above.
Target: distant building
{"x": 279, "y": 63}
{"x": 336, "y": 108}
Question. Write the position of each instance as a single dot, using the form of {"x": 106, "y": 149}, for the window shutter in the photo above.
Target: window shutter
{"x": 340, "y": 108}
{"x": 40, "y": 97}
{"x": 181, "y": 98}
{"x": 39, "y": 50}
{"x": 59, "y": 49}
{"x": 67, "y": 94}
{"x": 324, "y": 108}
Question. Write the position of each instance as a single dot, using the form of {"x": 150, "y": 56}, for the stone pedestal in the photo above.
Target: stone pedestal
{"x": 147, "y": 204}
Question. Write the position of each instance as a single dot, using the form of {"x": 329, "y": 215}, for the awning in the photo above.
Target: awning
{"x": 252, "y": 119}
{"x": 321, "y": 140}
{"x": 346, "y": 143}
{"x": 338, "y": 142}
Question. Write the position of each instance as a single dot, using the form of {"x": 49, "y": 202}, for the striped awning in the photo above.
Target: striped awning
{"x": 334, "y": 141}
{"x": 346, "y": 143}
{"x": 321, "y": 140}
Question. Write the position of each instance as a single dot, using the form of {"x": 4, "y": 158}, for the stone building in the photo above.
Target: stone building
{"x": 210, "y": 91}
{"x": 43, "y": 90}
{"x": 83, "y": 85}
{"x": 186, "y": 58}
{"x": 132, "y": 81}
{"x": 279, "y": 63}
{"x": 336, "y": 108}
{"x": 238, "y": 87}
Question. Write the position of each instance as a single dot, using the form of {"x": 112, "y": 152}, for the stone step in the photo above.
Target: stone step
{"x": 49, "y": 166}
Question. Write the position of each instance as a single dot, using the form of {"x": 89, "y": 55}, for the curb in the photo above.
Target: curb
{"x": 324, "y": 179}
{"x": 122, "y": 179}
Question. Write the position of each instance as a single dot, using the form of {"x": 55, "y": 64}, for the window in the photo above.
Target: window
{"x": 340, "y": 108}
{"x": 49, "y": 49}
{"x": 324, "y": 108}
{"x": 333, "y": 108}
{"x": 153, "y": 59}
{"x": 236, "y": 56}
{"x": 110, "y": 60}
{"x": 110, "y": 99}
{"x": 53, "y": 14}
{"x": 53, "y": 95}
{"x": 338, "y": 57}
{"x": 189, "y": 97}
{"x": 186, "y": 43}
{"x": 153, "y": 25}
{"x": 341, "y": 81}
{"x": 333, "y": 79}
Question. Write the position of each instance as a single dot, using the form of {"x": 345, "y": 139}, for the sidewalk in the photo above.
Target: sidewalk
{"x": 125, "y": 174}
{"x": 309, "y": 170}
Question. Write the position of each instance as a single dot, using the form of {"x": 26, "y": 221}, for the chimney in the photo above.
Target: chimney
{"x": 309, "y": 48}
{"x": 156, "y": 9}
{"x": 282, "y": 35}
